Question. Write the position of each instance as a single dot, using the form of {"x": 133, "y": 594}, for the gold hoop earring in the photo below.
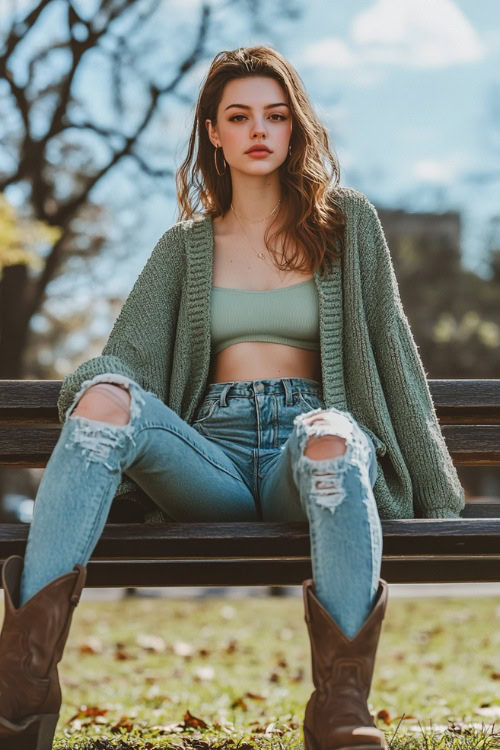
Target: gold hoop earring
{"x": 289, "y": 150}
{"x": 215, "y": 159}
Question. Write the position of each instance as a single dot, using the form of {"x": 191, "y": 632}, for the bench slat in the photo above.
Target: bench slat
{"x": 456, "y": 401}
{"x": 278, "y": 572}
{"x": 469, "y": 445}
{"x": 175, "y": 540}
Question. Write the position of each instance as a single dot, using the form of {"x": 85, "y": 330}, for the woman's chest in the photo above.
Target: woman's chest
{"x": 237, "y": 266}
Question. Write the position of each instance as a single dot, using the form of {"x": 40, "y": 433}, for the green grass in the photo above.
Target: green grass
{"x": 152, "y": 673}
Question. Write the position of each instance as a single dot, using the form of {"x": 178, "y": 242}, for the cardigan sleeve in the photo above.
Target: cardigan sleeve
{"x": 437, "y": 490}
{"x": 141, "y": 339}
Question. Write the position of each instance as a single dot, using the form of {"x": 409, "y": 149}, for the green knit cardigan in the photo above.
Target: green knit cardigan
{"x": 369, "y": 358}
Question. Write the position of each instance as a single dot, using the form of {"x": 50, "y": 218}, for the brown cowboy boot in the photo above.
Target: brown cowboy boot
{"x": 337, "y": 715}
{"x": 32, "y": 642}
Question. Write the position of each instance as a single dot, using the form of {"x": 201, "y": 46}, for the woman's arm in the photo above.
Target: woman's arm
{"x": 437, "y": 490}
{"x": 141, "y": 341}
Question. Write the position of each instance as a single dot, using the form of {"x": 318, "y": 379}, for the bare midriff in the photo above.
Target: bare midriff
{"x": 237, "y": 267}
{"x": 262, "y": 360}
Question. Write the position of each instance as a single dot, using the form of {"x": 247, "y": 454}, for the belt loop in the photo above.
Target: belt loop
{"x": 288, "y": 391}
{"x": 225, "y": 390}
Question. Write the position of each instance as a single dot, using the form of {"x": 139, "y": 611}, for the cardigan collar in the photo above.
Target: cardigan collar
{"x": 200, "y": 262}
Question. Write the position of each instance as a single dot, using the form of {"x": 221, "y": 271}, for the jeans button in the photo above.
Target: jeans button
{"x": 259, "y": 386}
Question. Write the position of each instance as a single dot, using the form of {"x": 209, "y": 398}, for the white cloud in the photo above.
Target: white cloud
{"x": 416, "y": 33}
{"x": 334, "y": 54}
{"x": 331, "y": 51}
{"x": 438, "y": 171}
{"x": 425, "y": 34}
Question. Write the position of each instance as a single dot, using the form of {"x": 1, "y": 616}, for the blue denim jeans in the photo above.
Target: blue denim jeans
{"x": 242, "y": 459}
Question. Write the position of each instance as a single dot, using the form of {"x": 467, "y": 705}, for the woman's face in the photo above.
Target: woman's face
{"x": 245, "y": 118}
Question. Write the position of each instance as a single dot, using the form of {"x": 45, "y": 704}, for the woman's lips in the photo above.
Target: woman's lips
{"x": 259, "y": 154}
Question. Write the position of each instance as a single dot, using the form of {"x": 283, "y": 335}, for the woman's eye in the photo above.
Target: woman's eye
{"x": 275, "y": 115}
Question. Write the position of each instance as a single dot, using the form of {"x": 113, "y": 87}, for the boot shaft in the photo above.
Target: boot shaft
{"x": 336, "y": 658}
{"x": 33, "y": 639}
{"x": 337, "y": 713}
{"x": 44, "y": 620}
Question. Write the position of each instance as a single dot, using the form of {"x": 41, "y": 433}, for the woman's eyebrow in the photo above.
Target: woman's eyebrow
{"x": 268, "y": 106}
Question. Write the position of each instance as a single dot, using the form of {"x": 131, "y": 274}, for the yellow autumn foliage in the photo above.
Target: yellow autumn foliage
{"x": 19, "y": 237}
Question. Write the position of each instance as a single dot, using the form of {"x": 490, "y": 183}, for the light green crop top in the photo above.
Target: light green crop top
{"x": 289, "y": 315}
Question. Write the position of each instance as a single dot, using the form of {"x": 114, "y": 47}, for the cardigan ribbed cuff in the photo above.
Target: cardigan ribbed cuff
{"x": 442, "y": 513}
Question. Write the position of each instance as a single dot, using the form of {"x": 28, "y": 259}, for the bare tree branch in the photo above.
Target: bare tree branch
{"x": 58, "y": 169}
{"x": 66, "y": 211}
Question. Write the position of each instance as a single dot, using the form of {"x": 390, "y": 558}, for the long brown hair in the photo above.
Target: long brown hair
{"x": 309, "y": 216}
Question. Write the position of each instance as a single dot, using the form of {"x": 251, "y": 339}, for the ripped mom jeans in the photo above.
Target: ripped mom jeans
{"x": 241, "y": 459}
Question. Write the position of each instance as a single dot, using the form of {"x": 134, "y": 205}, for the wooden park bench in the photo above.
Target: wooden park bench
{"x": 133, "y": 553}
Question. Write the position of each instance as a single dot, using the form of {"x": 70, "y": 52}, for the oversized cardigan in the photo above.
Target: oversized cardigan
{"x": 369, "y": 359}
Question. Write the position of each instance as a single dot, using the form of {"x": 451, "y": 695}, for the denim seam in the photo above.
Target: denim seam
{"x": 211, "y": 409}
{"x": 153, "y": 426}
{"x": 373, "y": 518}
{"x": 313, "y": 521}
{"x": 97, "y": 517}
{"x": 275, "y": 425}
{"x": 309, "y": 404}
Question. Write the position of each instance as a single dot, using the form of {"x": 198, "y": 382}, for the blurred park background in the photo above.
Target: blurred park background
{"x": 96, "y": 102}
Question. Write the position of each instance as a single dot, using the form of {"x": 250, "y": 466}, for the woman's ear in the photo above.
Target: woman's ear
{"x": 211, "y": 132}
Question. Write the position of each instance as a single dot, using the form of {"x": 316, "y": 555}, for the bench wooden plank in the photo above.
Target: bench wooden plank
{"x": 278, "y": 572}
{"x": 402, "y": 537}
{"x": 456, "y": 401}
{"x": 469, "y": 445}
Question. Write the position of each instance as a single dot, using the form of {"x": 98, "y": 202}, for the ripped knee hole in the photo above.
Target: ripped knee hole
{"x": 104, "y": 402}
{"x": 325, "y": 446}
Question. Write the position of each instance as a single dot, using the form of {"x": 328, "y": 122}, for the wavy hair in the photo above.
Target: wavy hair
{"x": 308, "y": 216}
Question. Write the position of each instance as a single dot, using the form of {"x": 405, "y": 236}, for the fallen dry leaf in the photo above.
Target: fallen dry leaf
{"x": 384, "y": 715}
{"x": 91, "y": 645}
{"x": 194, "y": 721}
{"x": 88, "y": 711}
{"x": 239, "y": 703}
{"x": 123, "y": 723}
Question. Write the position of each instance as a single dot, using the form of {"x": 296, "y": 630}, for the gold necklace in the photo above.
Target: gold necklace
{"x": 258, "y": 221}
{"x": 259, "y": 255}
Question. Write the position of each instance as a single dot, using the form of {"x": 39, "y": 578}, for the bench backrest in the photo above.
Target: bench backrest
{"x": 468, "y": 412}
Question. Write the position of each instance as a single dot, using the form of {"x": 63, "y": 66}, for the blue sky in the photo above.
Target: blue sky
{"x": 405, "y": 88}
{"x": 413, "y": 82}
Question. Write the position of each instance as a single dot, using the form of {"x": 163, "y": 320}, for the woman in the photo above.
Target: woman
{"x": 249, "y": 376}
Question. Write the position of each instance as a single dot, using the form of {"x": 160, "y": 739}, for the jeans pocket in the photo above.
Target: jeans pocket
{"x": 310, "y": 400}
{"x": 206, "y": 410}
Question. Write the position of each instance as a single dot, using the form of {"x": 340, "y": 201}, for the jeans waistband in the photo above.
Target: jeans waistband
{"x": 251, "y": 388}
